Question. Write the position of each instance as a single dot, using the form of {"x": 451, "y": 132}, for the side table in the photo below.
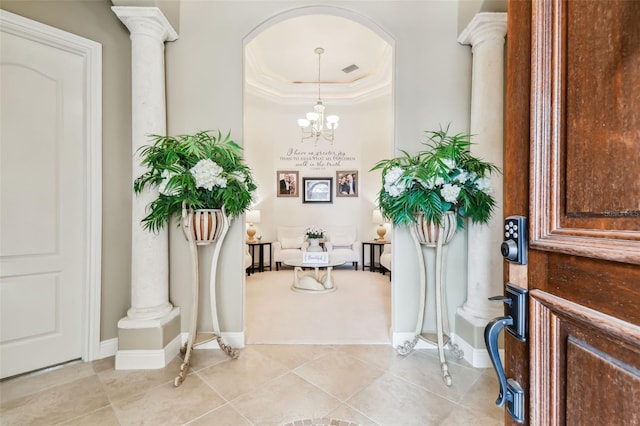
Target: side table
{"x": 252, "y": 250}
{"x": 372, "y": 248}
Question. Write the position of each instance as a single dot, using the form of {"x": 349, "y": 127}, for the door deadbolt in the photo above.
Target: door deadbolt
{"x": 514, "y": 246}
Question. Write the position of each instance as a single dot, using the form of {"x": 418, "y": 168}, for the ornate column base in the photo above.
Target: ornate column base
{"x": 148, "y": 344}
{"x": 470, "y": 335}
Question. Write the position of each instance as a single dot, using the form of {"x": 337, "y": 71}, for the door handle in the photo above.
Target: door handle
{"x": 491, "y": 333}
{"x": 514, "y": 320}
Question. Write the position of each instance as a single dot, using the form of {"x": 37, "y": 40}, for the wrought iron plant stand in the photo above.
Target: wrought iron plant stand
{"x": 203, "y": 227}
{"x": 434, "y": 236}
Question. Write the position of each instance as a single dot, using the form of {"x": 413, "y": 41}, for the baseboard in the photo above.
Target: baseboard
{"x": 233, "y": 339}
{"x": 108, "y": 348}
{"x": 147, "y": 359}
{"x": 477, "y": 357}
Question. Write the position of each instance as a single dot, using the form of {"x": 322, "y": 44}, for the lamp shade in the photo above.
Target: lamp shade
{"x": 376, "y": 216}
{"x": 253, "y": 216}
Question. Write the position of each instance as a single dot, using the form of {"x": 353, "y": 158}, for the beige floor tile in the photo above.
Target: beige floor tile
{"x": 102, "y": 417}
{"x": 56, "y": 404}
{"x": 121, "y": 384}
{"x": 265, "y": 386}
{"x": 293, "y": 356}
{"x": 424, "y": 370}
{"x": 344, "y": 412}
{"x": 167, "y": 404}
{"x": 481, "y": 397}
{"x": 203, "y": 358}
{"x": 223, "y": 416}
{"x": 383, "y": 356}
{"x": 104, "y": 364}
{"x": 392, "y": 401}
{"x": 285, "y": 399}
{"x": 339, "y": 374}
{"x": 45, "y": 379}
{"x": 234, "y": 377}
{"x": 466, "y": 417}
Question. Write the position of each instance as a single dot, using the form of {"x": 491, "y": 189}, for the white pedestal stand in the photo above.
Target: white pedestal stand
{"x": 203, "y": 227}
{"x": 431, "y": 235}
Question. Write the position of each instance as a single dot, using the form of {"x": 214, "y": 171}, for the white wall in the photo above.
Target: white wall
{"x": 431, "y": 87}
{"x": 364, "y": 136}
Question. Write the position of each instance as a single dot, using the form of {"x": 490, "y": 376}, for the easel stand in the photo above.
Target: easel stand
{"x": 203, "y": 227}
{"x": 438, "y": 238}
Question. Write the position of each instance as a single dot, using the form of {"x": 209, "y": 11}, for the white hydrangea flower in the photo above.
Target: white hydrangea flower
{"x": 208, "y": 174}
{"x": 439, "y": 180}
{"x": 462, "y": 177}
{"x": 393, "y": 174}
{"x": 395, "y": 190}
{"x": 484, "y": 184}
{"x": 449, "y": 163}
{"x": 162, "y": 188}
{"x": 240, "y": 177}
{"x": 450, "y": 193}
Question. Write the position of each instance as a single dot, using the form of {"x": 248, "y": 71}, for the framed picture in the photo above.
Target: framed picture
{"x": 347, "y": 183}
{"x": 317, "y": 190}
{"x": 287, "y": 183}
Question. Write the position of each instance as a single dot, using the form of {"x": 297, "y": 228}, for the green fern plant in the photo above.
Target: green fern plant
{"x": 444, "y": 177}
{"x": 203, "y": 171}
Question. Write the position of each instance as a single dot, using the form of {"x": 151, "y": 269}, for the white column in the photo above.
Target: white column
{"x": 486, "y": 35}
{"x": 150, "y": 257}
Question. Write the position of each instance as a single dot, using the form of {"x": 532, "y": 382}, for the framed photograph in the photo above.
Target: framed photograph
{"x": 287, "y": 183}
{"x": 347, "y": 183}
{"x": 317, "y": 190}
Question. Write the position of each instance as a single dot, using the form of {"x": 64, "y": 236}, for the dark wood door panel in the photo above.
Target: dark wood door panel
{"x": 587, "y": 368}
{"x": 601, "y": 52}
{"x": 610, "y": 287}
{"x": 585, "y": 184}
{"x": 585, "y": 365}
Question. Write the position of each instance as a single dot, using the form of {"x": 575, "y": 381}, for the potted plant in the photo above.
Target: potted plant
{"x": 200, "y": 171}
{"x": 314, "y": 234}
{"x": 444, "y": 180}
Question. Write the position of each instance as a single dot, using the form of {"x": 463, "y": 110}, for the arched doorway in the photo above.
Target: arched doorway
{"x": 281, "y": 85}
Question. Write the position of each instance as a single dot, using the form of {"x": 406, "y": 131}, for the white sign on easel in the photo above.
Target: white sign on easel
{"x": 315, "y": 257}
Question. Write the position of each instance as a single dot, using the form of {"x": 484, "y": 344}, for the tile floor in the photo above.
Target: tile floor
{"x": 266, "y": 385}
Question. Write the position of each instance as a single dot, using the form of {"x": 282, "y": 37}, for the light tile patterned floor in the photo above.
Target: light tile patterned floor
{"x": 266, "y": 385}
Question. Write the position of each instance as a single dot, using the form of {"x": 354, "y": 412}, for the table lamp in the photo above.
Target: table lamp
{"x": 253, "y": 216}
{"x": 376, "y": 217}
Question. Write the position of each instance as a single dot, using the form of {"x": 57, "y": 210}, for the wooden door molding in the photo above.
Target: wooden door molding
{"x": 569, "y": 342}
{"x": 583, "y": 224}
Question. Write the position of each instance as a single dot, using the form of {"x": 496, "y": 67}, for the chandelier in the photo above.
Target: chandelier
{"x": 313, "y": 126}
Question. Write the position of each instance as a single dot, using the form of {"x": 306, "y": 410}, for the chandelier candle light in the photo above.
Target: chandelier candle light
{"x": 313, "y": 125}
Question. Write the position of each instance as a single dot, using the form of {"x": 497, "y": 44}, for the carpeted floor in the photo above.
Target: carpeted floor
{"x": 358, "y": 312}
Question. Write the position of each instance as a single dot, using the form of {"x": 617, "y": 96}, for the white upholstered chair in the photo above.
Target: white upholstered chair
{"x": 342, "y": 244}
{"x": 290, "y": 244}
{"x": 247, "y": 260}
{"x": 385, "y": 258}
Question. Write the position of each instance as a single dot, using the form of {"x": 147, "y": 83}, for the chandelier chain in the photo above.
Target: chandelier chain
{"x": 314, "y": 126}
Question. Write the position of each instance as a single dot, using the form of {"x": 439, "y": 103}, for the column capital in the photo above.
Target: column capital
{"x": 148, "y": 21}
{"x": 484, "y": 26}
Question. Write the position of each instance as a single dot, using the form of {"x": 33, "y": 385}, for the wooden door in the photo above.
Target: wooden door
{"x": 572, "y": 165}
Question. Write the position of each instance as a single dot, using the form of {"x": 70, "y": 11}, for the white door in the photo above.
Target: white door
{"x": 42, "y": 223}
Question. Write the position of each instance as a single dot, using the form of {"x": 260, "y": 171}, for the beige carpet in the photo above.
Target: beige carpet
{"x": 357, "y": 312}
